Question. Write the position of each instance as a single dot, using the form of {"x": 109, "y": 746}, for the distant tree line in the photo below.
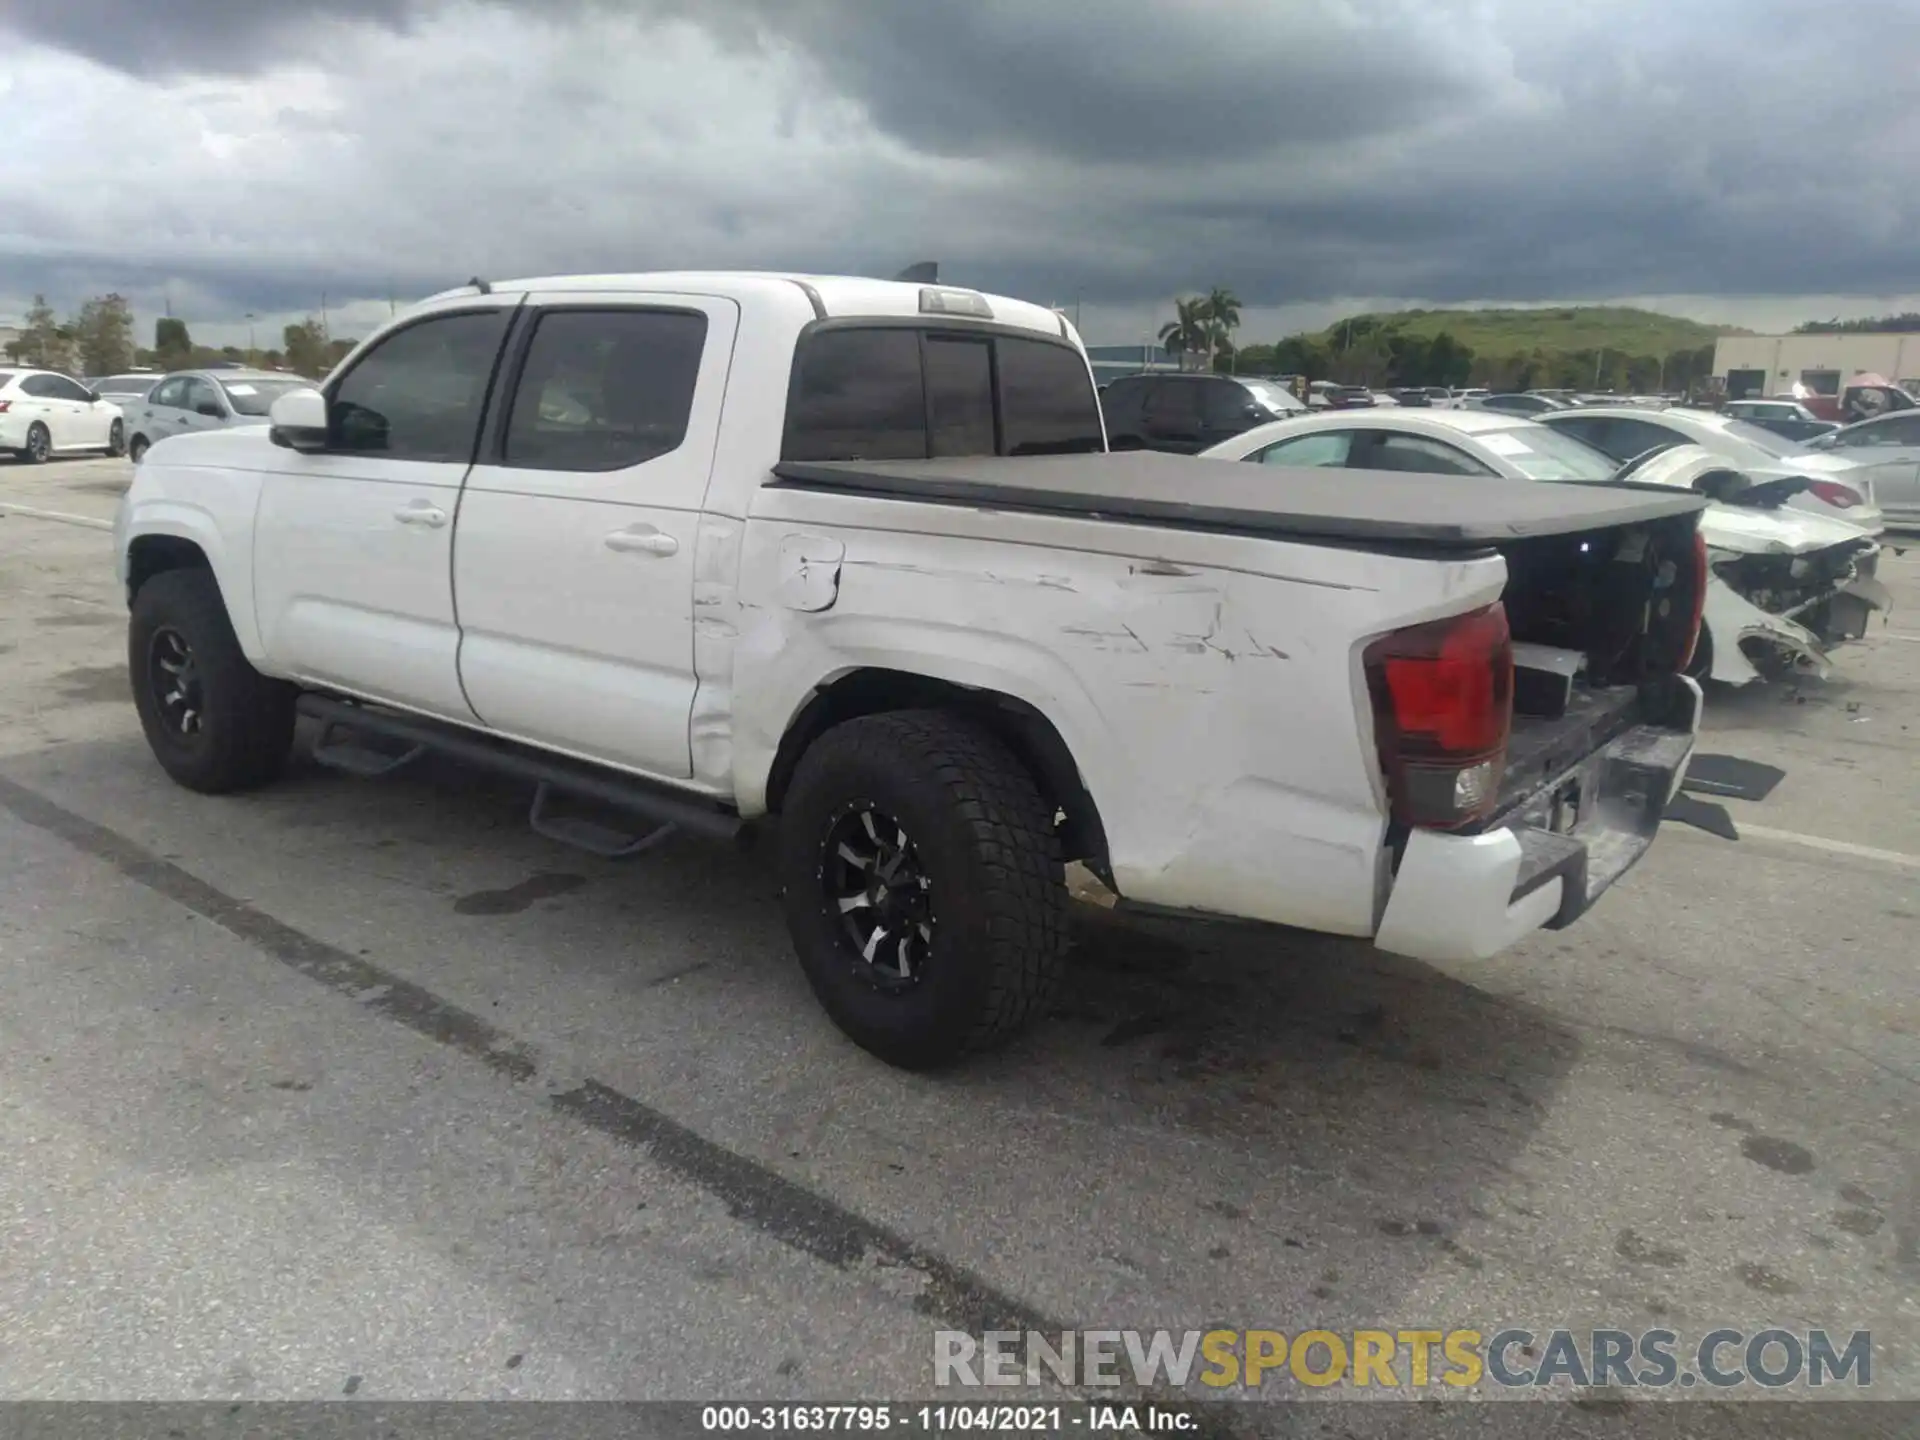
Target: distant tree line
{"x": 1906, "y": 323}
{"x": 99, "y": 340}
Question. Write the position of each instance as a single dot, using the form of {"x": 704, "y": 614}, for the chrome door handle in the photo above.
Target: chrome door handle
{"x": 421, "y": 513}
{"x": 643, "y": 540}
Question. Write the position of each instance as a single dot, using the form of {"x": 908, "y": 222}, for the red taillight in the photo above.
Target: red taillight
{"x": 1701, "y": 574}
{"x": 1442, "y": 709}
{"x": 5, "y": 405}
{"x": 1841, "y": 497}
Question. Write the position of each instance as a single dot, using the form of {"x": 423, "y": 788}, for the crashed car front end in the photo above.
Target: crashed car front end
{"x": 1776, "y": 611}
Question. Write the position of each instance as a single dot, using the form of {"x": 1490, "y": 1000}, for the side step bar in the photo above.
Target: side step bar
{"x": 552, "y": 776}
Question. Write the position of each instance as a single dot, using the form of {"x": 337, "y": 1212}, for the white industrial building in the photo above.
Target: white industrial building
{"x": 1820, "y": 364}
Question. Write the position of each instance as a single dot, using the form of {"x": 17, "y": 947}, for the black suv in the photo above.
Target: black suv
{"x": 1188, "y": 413}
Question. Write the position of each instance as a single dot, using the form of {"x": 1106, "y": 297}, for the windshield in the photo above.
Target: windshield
{"x": 1540, "y": 452}
{"x": 125, "y": 384}
{"x": 1276, "y": 399}
{"x": 256, "y": 397}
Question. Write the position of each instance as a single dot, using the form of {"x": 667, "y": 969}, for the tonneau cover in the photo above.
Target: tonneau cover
{"x": 1441, "y": 511}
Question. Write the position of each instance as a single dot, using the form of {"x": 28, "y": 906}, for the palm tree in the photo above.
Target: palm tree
{"x": 1223, "y": 318}
{"x": 1188, "y": 333}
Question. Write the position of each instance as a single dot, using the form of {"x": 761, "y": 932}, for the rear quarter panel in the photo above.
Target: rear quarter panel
{"x": 1209, "y": 687}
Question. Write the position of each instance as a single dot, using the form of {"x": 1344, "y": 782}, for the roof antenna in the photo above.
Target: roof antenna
{"x": 927, "y": 272}
{"x": 482, "y": 286}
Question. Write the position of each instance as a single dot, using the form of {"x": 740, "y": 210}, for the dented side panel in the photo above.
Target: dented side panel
{"x": 1217, "y": 713}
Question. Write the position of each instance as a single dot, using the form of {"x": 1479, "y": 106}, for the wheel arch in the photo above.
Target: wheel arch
{"x": 1019, "y": 725}
{"x": 173, "y": 537}
{"x": 156, "y": 553}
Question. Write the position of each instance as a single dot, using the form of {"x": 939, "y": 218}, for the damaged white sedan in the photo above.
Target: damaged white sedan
{"x": 1787, "y": 585}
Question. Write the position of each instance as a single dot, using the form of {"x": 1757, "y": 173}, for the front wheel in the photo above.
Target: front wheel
{"x": 117, "y": 439}
{"x": 214, "y": 723}
{"x": 137, "y": 451}
{"x": 923, "y": 885}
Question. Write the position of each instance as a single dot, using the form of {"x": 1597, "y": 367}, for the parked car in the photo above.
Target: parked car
{"x": 1329, "y": 395}
{"x": 1788, "y": 419}
{"x": 190, "y": 400}
{"x": 1186, "y": 413}
{"x": 1834, "y": 486}
{"x": 1786, "y": 586}
{"x": 1865, "y": 397}
{"x": 1519, "y": 404}
{"x": 127, "y": 389}
{"x": 1887, "y": 447}
{"x": 739, "y": 592}
{"x": 44, "y": 413}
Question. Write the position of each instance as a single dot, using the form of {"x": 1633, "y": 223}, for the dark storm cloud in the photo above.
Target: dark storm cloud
{"x": 1097, "y": 80}
{"x": 209, "y": 37}
{"x": 1120, "y": 150}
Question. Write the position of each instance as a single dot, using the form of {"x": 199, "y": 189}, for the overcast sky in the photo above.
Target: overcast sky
{"x": 1739, "y": 160}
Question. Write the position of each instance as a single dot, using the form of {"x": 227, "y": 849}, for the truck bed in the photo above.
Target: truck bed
{"x": 1437, "y": 512}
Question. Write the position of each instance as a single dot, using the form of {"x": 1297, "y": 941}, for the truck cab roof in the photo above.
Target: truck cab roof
{"x": 831, "y": 296}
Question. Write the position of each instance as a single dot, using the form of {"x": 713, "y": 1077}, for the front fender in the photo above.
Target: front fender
{"x": 229, "y": 554}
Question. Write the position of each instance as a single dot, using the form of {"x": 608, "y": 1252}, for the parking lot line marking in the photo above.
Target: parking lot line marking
{"x": 58, "y": 516}
{"x": 754, "y": 1193}
{"x": 1820, "y": 842}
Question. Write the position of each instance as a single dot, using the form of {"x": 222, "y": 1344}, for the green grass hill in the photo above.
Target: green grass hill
{"x": 1491, "y": 333}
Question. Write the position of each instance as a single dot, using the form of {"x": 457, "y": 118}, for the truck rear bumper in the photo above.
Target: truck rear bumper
{"x": 1468, "y": 897}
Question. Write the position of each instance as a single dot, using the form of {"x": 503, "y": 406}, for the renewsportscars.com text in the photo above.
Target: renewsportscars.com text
{"x": 1512, "y": 1358}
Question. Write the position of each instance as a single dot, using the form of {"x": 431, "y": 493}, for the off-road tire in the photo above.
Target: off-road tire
{"x": 117, "y": 439}
{"x": 137, "y": 451}
{"x": 984, "y": 835}
{"x": 246, "y": 720}
{"x": 39, "y": 445}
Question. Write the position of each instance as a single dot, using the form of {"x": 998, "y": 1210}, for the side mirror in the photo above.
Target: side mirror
{"x": 298, "y": 420}
{"x": 93, "y": 397}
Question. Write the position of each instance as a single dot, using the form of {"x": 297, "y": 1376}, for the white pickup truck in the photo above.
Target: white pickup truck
{"x": 849, "y": 556}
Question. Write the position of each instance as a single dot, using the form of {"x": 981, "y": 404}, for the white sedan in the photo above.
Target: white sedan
{"x": 44, "y": 413}
{"x": 1786, "y": 584}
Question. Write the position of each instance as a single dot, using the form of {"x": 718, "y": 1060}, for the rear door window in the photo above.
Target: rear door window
{"x": 1322, "y": 449}
{"x": 1629, "y": 438}
{"x": 1175, "y": 402}
{"x": 1123, "y": 401}
{"x": 1228, "y": 403}
{"x": 1416, "y": 454}
{"x": 605, "y": 389}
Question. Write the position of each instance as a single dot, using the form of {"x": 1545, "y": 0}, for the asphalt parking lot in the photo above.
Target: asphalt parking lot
{"x": 361, "y": 1088}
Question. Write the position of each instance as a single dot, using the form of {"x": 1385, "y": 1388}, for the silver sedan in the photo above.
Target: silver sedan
{"x": 1888, "y": 447}
{"x": 190, "y": 400}
{"x": 1838, "y": 488}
